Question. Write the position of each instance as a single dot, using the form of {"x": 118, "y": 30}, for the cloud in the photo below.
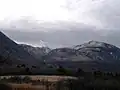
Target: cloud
{"x": 97, "y": 13}
{"x": 64, "y": 23}
{"x": 64, "y": 38}
{"x": 46, "y": 10}
{"x": 108, "y": 14}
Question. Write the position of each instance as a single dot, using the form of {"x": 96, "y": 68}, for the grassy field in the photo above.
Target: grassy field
{"x": 51, "y": 78}
{"x": 28, "y": 87}
{"x": 12, "y": 86}
{"x": 39, "y": 82}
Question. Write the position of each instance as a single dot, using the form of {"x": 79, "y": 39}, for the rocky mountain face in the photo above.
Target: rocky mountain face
{"x": 36, "y": 52}
{"x": 99, "y": 51}
{"x": 89, "y": 56}
{"x": 11, "y": 50}
{"x": 91, "y": 51}
{"x": 92, "y": 54}
{"x": 65, "y": 54}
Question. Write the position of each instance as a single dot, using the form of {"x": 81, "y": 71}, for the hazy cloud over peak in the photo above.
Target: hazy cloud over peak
{"x": 60, "y": 22}
{"x": 64, "y": 38}
{"x": 98, "y": 13}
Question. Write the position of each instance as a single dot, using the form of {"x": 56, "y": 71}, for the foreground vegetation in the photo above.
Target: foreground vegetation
{"x": 96, "y": 80}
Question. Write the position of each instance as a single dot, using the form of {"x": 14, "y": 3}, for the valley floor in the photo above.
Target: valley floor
{"x": 38, "y": 82}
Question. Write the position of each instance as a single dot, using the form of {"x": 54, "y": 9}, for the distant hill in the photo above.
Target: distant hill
{"x": 92, "y": 55}
{"x": 65, "y": 54}
{"x": 36, "y": 52}
{"x": 91, "y": 51}
{"x": 99, "y": 51}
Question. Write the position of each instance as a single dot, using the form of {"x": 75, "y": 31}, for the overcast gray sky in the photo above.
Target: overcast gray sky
{"x": 57, "y": 23}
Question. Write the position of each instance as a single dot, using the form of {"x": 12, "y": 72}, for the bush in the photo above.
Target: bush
{"x": 27, "y": 79}
{"x": 16, "y": 79}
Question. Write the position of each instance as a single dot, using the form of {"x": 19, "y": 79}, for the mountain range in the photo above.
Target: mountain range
{"x": 90, "y": 51}
{"x": 90, "y": 55}
{"x": 37, "y": 52}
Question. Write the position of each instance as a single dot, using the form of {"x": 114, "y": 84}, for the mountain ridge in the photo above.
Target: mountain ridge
{"x": 92, "y": 50}
{"x": 9, "y": 47}
{"x": 37, "y": 52}
{"x": 88, "y": 55}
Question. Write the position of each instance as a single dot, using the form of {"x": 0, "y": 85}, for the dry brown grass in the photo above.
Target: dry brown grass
{"x": 51, "y": 78}
{"x": 26, "y": 87}
{"x": 45, "y": 77}
{"x": 30, "y": 86}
